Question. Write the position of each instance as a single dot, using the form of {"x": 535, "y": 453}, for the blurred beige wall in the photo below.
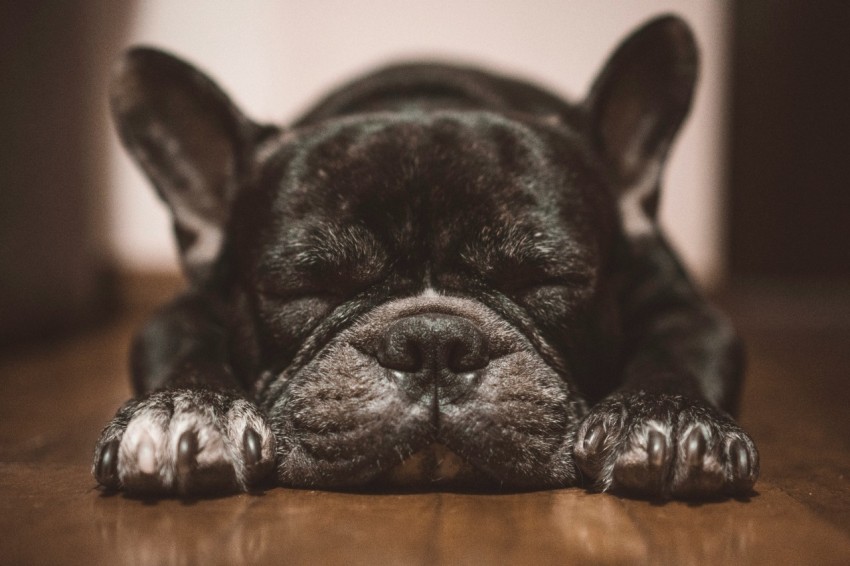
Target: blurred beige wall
{"x": 275, "y": 57}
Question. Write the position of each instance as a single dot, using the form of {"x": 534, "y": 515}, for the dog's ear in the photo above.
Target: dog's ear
{"x": 190, "y": 140}
{"x": 638, "y": 103}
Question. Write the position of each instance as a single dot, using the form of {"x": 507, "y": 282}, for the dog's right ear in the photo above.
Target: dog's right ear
{"x": 190, "y": 140}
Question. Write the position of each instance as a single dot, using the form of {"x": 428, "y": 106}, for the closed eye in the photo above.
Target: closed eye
{"x": 571, "y": 281}
{"x": 288, "y": 295}
{"x": 326, "y": 283}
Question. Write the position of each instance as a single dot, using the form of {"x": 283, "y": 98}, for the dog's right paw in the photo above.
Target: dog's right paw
{"x": 185, "y": 441}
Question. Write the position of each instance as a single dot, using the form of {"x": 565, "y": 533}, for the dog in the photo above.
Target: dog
{"x": 438, "y": 277}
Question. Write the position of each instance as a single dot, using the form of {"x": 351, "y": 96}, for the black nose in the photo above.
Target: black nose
{"x": 434, "y": 353}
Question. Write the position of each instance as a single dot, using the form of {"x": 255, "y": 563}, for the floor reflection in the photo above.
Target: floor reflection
{"x": 567, "y": 526}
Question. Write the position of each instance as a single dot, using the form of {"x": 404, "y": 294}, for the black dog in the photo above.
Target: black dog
{"x": 438, "y": 275}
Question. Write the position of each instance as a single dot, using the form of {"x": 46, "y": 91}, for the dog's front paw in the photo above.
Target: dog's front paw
{"x": 185, "y": 441}
{"x": 665, "y": 446}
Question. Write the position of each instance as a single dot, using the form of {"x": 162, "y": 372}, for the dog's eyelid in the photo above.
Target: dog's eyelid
{"x": 557, "y": 261}
{"x": 300, "y": 265}
{"x": 559, "y": 282}
{"x": 306, "y": 298}
{"x": 329, "y": 286}
{"x": 570, "y": 280}
{"x": 524, "y": 277}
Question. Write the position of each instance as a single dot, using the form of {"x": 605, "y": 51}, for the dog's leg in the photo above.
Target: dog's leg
{"x": 191, "y": 429}
{"x": 666, "y": 431}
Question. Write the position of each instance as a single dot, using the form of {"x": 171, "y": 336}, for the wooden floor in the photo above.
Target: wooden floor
{"x": 56, "y": 398}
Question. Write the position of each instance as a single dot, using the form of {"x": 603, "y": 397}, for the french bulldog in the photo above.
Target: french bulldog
{"x": 437, "y": 277}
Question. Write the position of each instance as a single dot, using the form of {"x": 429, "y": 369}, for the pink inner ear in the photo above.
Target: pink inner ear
{"x": 642, "y": 95}
{"x": 190, "y": 140}
{"x": 621, "y": 133}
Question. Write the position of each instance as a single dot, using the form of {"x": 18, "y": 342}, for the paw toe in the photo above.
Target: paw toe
{"x": 739, "y": 460}
{"x": 590, "y": 452}
{"x": 146, "y": 455}
{"x": 642, "y": 465}
{"x": 202, "y": 461}
{"x": 742, "y": 464}
{"x": 697, "y": 472}
{"x": 257, "y": 457}
{"x": 106, "y": 467}
{"x": 593, "y": 439}
{"x": 656, "y": 449}
{"x": 694, "y": 448}
{"x": 251, "y": 447}
{"x": 186, "y": 460}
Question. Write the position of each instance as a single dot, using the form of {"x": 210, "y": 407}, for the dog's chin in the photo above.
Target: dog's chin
{"x": 412, "y": 454}
{"x": 434, "y": 467}
{"x": 438, "y": 467}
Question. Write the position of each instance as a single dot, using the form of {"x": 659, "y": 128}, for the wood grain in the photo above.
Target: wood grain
{"x": 56, "y": 398}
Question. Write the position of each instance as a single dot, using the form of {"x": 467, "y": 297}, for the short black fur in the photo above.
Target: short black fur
{"x": 438, "y": 276}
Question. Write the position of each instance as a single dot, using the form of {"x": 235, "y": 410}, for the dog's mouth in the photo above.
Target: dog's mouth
{"x": 436, "y": 465}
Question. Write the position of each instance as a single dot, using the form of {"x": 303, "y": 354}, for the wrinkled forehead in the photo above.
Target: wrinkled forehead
{"x": 448, "y": 187}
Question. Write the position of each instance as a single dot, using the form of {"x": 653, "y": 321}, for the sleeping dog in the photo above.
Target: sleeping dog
{"x": 436, "y": 277}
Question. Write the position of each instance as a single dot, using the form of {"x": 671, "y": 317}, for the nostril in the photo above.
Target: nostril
{"x": 436, "y": 342}
{"x": 399, "y": 351}
{"x": 433, "y": 352}
{"x": 467, "y": 354}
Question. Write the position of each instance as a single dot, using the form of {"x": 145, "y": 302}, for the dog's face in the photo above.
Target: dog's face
{"x": 416, "y": 297}
{"x": 417, "y": 282}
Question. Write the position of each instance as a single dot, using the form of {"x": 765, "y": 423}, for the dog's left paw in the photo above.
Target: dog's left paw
{"x": 665, "y": 446}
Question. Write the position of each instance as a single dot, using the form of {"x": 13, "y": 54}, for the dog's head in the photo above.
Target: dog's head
{"x": 419, "y": 295}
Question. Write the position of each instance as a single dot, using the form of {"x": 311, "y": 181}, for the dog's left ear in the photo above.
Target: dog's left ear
{"x": 190, "y": 140}
{"x": 639, "y": 101}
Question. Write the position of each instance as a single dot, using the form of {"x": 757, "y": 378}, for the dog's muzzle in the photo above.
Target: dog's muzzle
{"x": 424, "y": 390}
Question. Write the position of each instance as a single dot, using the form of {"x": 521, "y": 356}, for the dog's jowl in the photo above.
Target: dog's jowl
{"x": 438, "y": 276}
